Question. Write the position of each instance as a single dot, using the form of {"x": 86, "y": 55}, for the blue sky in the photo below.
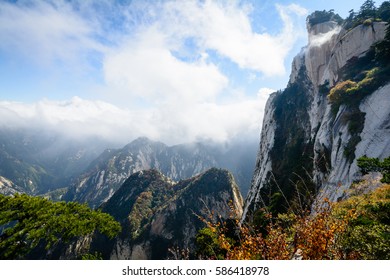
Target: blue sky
{"x": 175, "y": 71}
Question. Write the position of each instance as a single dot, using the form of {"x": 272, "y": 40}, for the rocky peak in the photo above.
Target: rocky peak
{"x": 142, "y": 142}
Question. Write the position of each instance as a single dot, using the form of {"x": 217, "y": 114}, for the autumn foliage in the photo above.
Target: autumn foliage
{"x": 357, "y": 228}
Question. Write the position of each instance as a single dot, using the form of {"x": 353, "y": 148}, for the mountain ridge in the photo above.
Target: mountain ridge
{"x": 110, "y": 170}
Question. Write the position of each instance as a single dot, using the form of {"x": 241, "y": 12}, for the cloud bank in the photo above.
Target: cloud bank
{"x": 163, "y": 69}
{"x": 79, "y": 118}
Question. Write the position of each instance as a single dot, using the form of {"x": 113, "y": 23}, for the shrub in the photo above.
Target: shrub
{"x": 338, "y": 93}
{"x": 367, "y": 165}
{"x": 367, "y": 22}
{"x": 368, "y": 233}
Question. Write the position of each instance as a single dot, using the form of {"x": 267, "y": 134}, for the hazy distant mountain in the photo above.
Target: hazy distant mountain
{"x": 38, "y": 161}
{"x": 109, "y": 171}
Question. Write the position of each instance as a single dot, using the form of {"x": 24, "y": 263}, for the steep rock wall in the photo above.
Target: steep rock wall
{"x": 322, "y": 137}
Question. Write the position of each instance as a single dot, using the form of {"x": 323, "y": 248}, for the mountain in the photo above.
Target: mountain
{"x": 109, "y": 171}
{"x": 158, "y": 214}
{"x": 38, "y": 161}
{"x": 335, "y": 109}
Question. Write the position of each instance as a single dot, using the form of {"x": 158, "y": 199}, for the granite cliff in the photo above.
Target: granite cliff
{"x": 309, "y": 144}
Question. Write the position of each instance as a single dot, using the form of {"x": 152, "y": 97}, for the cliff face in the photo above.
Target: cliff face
{"x": 307, "y": 146}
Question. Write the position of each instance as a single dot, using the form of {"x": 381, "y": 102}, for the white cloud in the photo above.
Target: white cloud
{"x": 265, "y": 92}
{"x": 145, "y": 67}
{"x": 182, "y": 82}
{"x": 226, "y": 28}
{"x": 46, "y": 32}
{"x": 321, "y": 38}
{"x": 80, "y": 118}
{"x": 145, "y": 64}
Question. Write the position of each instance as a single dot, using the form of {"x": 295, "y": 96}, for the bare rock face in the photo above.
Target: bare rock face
{"x": 374, "y": 142}
{"x": 7, "y": 187}
{"x": 353, "y": 43}
{"x": 302, "y": 140}
{"x": 157, "y": 214}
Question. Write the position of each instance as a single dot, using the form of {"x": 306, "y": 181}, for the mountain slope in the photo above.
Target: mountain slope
{"x": 310, "y": 142}
{"x": 157, "y": 214}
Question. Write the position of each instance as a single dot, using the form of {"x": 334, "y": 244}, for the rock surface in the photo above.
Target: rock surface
{"x": 299, "y": 123}
{"x": 7, "y": 187}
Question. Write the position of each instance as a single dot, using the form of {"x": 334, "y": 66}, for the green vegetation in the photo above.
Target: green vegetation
{"x": 382, "y": 49}
{"x": 144, "y": 193}
{"x": 323, "y": 16}
{"x": 367, "y": 165}
{"x": 368, "y": 13}
{"x": 208, "y": 245}
{"x": 28, "y": 222}
{"x": 368, "y": 233}
{"x": 141, "y": 213}
{"x": 339, "y": 93}
{"x": 351, "y": 91}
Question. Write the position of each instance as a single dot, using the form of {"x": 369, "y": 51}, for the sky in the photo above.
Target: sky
{"x": 174, "y": 71}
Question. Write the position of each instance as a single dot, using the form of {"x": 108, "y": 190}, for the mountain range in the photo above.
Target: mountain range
{"x": 109, "y": 171}
{"x": 47, "y": 163}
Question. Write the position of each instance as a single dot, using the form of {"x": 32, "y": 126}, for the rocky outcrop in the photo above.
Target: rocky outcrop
{"x": 303, "y": 142}
{"x": 157, "y": 215}
{"x": 7, "y": 187}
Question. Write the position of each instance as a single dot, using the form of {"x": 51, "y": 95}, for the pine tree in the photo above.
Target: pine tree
{"x": 26, "y": 222}
{"x": 367, "y": 10}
